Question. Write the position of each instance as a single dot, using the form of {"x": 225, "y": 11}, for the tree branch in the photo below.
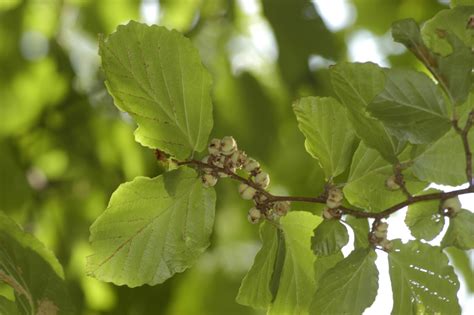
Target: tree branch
{"x": 322, "y": 198}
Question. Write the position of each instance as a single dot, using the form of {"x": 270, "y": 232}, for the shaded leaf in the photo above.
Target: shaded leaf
{"x": 453, "y": 21}
{"x": 361, "y": 229}
{"x": 324, "y": 123}
{"x": 152, "y": 229}
{"x": 8, "y": 307}
{"x": 431, "y": 165}
{"x": 298, "y": 17}
{"x": 325, "y": 263}
{"x": 157, "y": 77}
{"x": 15, "y": 191}
{"x": 462, "y": 263}
{"x": 356, "y": 85}
{"x": 32, "y": 271}
{"x": 460, "y": 231}
{"x": 420, "y": 274}
{"x": 329, "y": 237}
{"x": 349, "y": 287}
{"x": 423, "y": 218}
{"x": 411, "y": 106}
{"x": 452, "y": 69}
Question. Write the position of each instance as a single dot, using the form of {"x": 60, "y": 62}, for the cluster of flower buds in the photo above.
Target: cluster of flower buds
{"x": 379, "y": 236}
{"x": 391, "y": 183}
{"x": 451, "y": 206}
{"x": 224, "y": 154}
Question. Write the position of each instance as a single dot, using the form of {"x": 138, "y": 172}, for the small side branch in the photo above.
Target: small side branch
{"x": 464, "y": 134}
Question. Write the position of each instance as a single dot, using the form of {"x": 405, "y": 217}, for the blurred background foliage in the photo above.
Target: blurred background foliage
{"x": 64, "y": 147}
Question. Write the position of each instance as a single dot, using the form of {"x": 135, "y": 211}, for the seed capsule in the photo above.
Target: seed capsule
{"x": 251, "y": 165}
{"x": 208, "y": 180}
{"x": 452, "y": 204}
{"x": 281, "y": 207}
{"x": 380, "y": 234}
{"x": 335, "y": 194}
{"x": 262, "y": 179}
{"x": 391, "y": 183}
{"x": 259, "y": 198}
{"x": 214, "y": 147}
{"x": 254, "y": 215}
{"x": 386, "y": 244}
{"x": 332, "y": 203}
{"x": 382, "y": 227}
{"x": 246, "y": 192}
{"x": 228, "y": 145}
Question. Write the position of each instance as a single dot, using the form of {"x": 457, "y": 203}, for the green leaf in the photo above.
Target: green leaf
{"x": 329, "y": 237}
{"x": 324, "y": 123}
{"x": 365, "y": 186}
{"x": 462, "y": 262}
{"x": 157, "y": 77}
{"x": 455, "y": 3}
{"x": 297, "y": 285}
{"x": 454, "y": 70}
{"x": 348, "y": 288}
{"x": 8, "y": 307}
{"x": 356, "y": 85}
{"x": 423, "y": 218}
{"x": 453, "y": 21}
{"x": 420, "y": 274}
{"x": 411, "y": 106}
{"x": 323, "y": 264}
{"x": 361, "y": 229}
{"x": 15, "y": 191}
{"x": 282, "y": 259}
{"x": 32, "y": 271}
{"x": 460, "y": 231}
{"x": 255, "y": 288}
{"x": 152, "y": 229}
{"x": 430, "y": 166}
{"x": 278, "y": 264}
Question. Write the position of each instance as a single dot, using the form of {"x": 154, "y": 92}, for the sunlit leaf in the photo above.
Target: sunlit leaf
{"x": 420, "y": 274}
{"x": 366, "y": 187}
{"x": 157, "y": 77}
{"x": 152, "y": 229}
{"x": 423, "y": 218}
{"x": 324, "y": 123}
